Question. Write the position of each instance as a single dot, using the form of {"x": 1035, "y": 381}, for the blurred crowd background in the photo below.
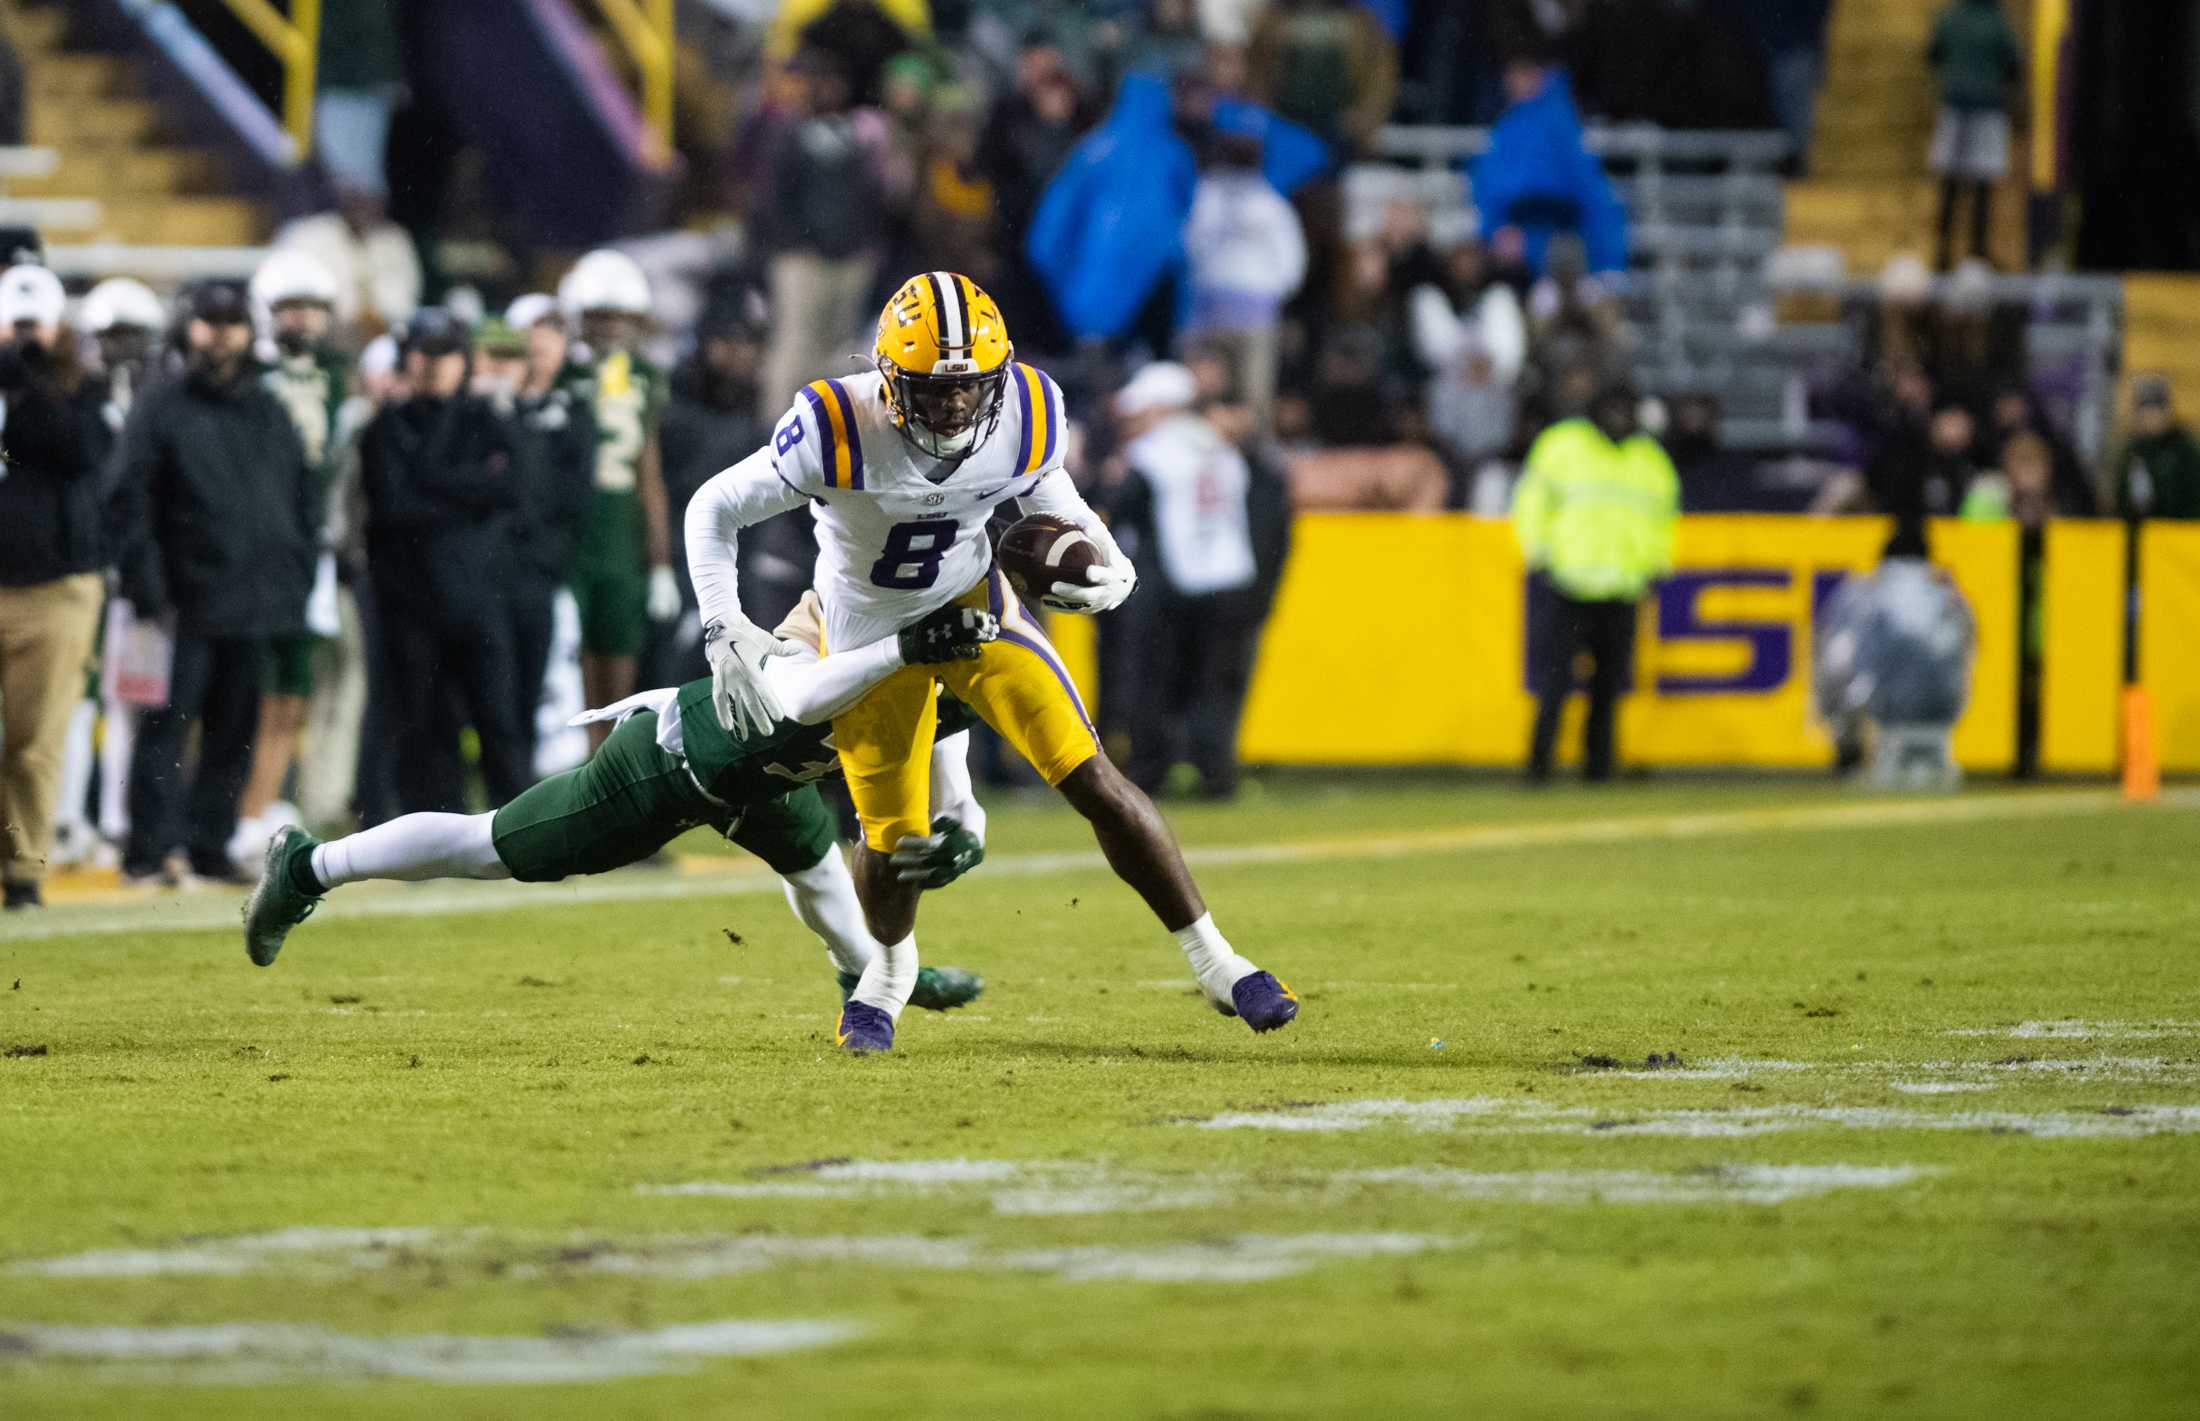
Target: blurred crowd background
{"x": 358, "y": 493}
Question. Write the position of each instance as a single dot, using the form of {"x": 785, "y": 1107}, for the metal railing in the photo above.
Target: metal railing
{"x": 1753, "y": 150}
{"x": 645, "y": 29}
{"x": 294, "y": 40}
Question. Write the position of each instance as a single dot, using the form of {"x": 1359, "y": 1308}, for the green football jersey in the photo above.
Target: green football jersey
{"x": 312, "y": 389}
{"x": 740, "y": 770}
{"x": 628, "y": 395}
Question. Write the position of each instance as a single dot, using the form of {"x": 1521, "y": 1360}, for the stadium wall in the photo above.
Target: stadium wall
{"x": 1401, "y": 640}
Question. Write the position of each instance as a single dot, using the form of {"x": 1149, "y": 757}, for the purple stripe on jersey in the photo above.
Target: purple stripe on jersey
{"x": 1023, "y": 407}
{"x": 1046, "y": 396}
{"x": 855, "y": 441}
{"x": 826, "y": 442}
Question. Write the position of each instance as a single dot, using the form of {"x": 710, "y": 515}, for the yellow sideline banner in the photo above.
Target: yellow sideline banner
{"x": 1401, "y": 639}
{"x": 2169, "y": 621}
{"x": 2082, "y": 592}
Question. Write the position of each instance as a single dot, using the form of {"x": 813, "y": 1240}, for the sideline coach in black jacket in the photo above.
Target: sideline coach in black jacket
{"x": 214, "y": 523}
{"x": 441, "y": 473}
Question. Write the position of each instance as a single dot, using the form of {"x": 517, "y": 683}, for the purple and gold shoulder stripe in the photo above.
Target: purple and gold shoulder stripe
{"x": 835, "y": 416}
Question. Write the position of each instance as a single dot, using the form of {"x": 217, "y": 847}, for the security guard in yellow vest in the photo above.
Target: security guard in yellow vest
{"x": 1595, "y": 515}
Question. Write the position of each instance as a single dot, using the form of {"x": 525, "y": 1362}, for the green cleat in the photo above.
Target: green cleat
{"x": 277, "y": 903}
{"x": 938, "y": 988}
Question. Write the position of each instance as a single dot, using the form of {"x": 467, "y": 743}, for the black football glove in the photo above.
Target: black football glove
{"x": 937, "y": 859}
{"x": 950, "y": 634}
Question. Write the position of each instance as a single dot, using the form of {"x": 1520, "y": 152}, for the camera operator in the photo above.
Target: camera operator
{"x": 52, "y": 443}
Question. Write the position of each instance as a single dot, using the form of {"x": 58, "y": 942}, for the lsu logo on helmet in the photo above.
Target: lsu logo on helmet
{"x": 944, "y": 351}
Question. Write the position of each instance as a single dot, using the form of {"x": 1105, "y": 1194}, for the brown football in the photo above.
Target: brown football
{"x": 1040, "y": 550}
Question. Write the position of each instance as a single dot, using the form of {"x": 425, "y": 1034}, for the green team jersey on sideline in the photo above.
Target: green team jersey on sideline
{"x": 628, "y": 395}
{"x": 312, "y": 389}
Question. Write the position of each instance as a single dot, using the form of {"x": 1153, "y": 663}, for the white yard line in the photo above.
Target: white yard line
{"x": 209, "y": 911}
{"x": 250, "y": 1353}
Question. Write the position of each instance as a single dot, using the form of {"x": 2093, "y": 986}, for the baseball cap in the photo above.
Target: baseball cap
{"x": 495, "y": 336}
{"x": 435, "y": 331}
{"x": 1161, "y": 385}
{"x": 220, "y": 303}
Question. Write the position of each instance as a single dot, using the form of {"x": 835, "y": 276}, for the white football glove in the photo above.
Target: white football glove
{"x": 745, "y": 701}
{"x": 664, "y": 595}
{"x": 1106, "y": 587}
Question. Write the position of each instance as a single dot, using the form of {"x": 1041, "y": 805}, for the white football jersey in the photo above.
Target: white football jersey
{"x": 899, "y": 533}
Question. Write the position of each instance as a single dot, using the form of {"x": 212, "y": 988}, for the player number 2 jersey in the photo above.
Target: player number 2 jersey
{"x": 900, "y": 533}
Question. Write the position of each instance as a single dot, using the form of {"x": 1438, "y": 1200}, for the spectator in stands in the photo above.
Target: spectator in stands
{"x": 1469, "y": 333}
{"x": 1595, "y": 514}
{"x": 378, "y": 275}
{"x": 818, "y": 226}
{"x": 1979, "y": 64}
{"x": 1929, "y": 478}
{"x": 553, "y": 468}
{"x": 441, "y": 475}
{"x": 1166, "y": 38}
{"x": 1363, "y": 365}
{"x": 1326, "y": 65}
{"x": 1792, "y": 36}
{"x": 216, "y": 519}
{"x": 1028, "y": 135}
{"x": 2022, "y": 488}
{"x": 2018, "y": 410}
{"x": 952, "y": 224}
{"x": 2157, "y": 473}
{"x": 359, "y": 74}
{"x": 1245, "y": 257}
{"x": 1188, "y": 511}
{"x": 1893, "y": 654}
{"x": 862, "y": 38}
{"x": 1714, "y": 479}
{"x": 54, "y": 442}
{"x": 1571, "y": 308}
{"x": 1539, "y": 178}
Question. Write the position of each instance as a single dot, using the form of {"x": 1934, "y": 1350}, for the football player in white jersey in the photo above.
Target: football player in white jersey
{"x": 905, "y": 465}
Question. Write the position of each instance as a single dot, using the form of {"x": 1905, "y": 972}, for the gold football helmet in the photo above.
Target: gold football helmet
{"x": 944, "y": 351}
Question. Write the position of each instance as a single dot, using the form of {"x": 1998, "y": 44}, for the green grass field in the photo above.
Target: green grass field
{"x": 1928, "y": 1149}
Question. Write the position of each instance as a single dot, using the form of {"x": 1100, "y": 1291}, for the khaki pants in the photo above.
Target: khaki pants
{"x": 46, "y": 635}
{"x": 818, "y": 312}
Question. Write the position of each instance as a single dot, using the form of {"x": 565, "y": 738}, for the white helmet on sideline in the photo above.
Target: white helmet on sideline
{"x": 29, "y": 292}
{"x": 122, "y": 301}
{"x": 604, "y": 280}
{"x": 287, "y": 275}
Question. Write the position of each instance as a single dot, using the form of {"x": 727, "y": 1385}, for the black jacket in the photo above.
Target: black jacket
{"x": 53, "y": 446}
{"x": 213, "y": 511}
{"x": 554, "y": 444}
{"x": 441, "y": 484}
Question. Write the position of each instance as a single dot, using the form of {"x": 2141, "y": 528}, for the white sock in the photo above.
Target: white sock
{"x": 890, "y": 978}
{"x": 1214, "y": 962}
{"x": 823, "y": 896}
{"x": 412, "y": 848}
